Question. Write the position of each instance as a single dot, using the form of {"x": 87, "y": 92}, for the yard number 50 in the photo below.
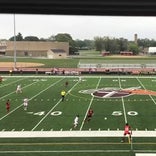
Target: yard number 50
{"x": 119, "y": 113}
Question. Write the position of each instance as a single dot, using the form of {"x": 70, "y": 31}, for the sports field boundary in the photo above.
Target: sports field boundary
{"x": 72, "y": 133}
{"x": 77, "y": 76}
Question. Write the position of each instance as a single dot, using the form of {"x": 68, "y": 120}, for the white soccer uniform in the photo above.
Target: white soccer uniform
{"x": 76, "y": 121}
{"x": 80, "y": 79}
{"x": 25, "y": 104}
{"x": 19, "y": 89}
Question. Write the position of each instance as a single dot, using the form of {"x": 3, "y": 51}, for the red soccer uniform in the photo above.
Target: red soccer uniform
{"x": 90, "y": 113}
{"x": 66, "y": 84}
{"x": 127, "y": 130}
{"x": 0, "y": 79}
{"x": 8, "y": 106}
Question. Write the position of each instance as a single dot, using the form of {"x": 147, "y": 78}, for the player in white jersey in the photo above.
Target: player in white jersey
{"x": 25, "y": 103}
{"x": 80, "y": 79}
{"x": 76, "y": 121}
{"x": 19, "y": 89}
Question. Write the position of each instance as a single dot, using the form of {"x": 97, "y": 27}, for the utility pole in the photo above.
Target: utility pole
{"x": 14, "y": 42}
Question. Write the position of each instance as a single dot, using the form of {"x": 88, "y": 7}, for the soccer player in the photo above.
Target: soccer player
{"x": 8, "y": 106}
{"x": 66, "y": 84}
{"x": 80, "y": 79}
{"x": 18, "y": 89}
{"x": 89, "y": 115}
{"x": 76, "y": 121}
{"x": 63, "y": 93}
{"x": 127, "y": 131}
{"x": 1, "y": 79}
{"x": 25, "y": 103}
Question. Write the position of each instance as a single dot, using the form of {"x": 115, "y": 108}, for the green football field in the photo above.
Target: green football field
{"x": 46, "y": 127}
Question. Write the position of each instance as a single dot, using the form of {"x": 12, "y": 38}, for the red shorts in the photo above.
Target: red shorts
{"x": 8, "y": 108}
{"x": 127, "y": 132}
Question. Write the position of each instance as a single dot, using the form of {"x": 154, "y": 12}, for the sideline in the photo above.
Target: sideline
{"x": 48, "y": 134}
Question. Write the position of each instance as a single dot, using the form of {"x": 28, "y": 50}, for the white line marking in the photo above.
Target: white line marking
{"x": 51, "y": 109}
{"x": 152, "y": 152}
{"x": 73, "y": 133}
{"x": 146, "y": 89}
{"x": 69, "y": 151}
{"x": 15, "y": 91}
{"x": 145, "y": 154}
{"x": 29, "y": 99}
{"x": 10, "y": 83}
{"x": 123, "y": 104}
{"x": 89, "y": 105}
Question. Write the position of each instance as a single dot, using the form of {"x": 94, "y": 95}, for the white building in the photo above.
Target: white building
{"x": 152, "y": 50}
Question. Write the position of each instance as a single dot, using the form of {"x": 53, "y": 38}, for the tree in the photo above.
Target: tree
{"x": 51, "y": 38}
{"x": 99, "y": 43}
{"x": 85, "y": 44}
{"x": 89, "y": 44}
{"x": 64, "y": 37}
{"x": 134, "y": 48}
{"x": 43, "y": 39}
{"x": 80, "y": 44}
{"x": 113, "y": 46}
{"x": 31, "y": 38}
{"x": 144, "y": 43}
{"x": 18, "y": 37}
{"x": 123, "y": 44}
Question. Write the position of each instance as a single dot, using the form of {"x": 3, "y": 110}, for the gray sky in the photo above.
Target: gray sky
{"x": 79, "y": 27}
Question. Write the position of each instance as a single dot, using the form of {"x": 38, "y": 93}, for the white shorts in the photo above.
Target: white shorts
{"x": 75, "y": 123}
{"x": 25, "y": 104}
{"x": 18, "y": 89}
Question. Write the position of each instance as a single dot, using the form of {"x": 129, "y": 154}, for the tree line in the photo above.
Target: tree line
{"x": 112, "y": 45}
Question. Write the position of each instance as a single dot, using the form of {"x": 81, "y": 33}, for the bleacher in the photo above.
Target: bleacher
{"x": 111, "y": 66}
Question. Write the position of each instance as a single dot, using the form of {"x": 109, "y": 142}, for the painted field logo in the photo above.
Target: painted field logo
{"x": 117, "y": 92}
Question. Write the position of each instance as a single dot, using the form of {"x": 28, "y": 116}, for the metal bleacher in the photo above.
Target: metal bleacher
{"x": 97, "y": 65}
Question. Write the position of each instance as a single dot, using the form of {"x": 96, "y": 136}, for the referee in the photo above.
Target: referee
{"x": 63, "y": 93}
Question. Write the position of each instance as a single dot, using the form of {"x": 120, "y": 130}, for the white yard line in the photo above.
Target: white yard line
{"x": 4, "y": 85}
{"x": 89, "y": 105}
{"x": 15, "y": 91}
{"x": 146, "y": 89}
{"x": 123, "y": 104}
{"x": 52, "y": 109}
{"x": 67, "y": 151}
{"x": 46, "y": 115}
{"x": 30, "y": 99}
{"x": 142, "y": 152}
{"x": 124, "y": 110}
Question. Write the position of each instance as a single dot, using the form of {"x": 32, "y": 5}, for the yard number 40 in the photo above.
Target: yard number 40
{"x": 119, "y": 113}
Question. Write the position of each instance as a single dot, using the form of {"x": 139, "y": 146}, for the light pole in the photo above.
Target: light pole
{"x": 14, "y": 42}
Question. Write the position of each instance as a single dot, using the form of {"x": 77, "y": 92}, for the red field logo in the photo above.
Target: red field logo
{"x": 117, "y": 92}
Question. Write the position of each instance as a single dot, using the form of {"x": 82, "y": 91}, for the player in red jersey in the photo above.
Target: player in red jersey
{"x": 127, "y": 131}
{"x": 66, "y": 83}
{"x": 1, "y": 79}
{"x": 8, "y": 106}
{"x": 89, "y": 115}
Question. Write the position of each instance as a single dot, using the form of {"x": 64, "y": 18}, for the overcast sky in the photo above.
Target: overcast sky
{"x": 79, "y": 27}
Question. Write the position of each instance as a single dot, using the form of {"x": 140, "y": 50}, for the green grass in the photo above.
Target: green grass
{"x": 48, "y": 63}
{"x": 44, "y": 100}
{"x": 72, "y": 62}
